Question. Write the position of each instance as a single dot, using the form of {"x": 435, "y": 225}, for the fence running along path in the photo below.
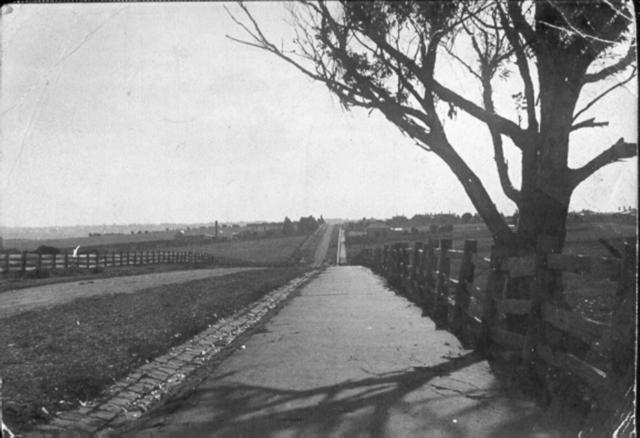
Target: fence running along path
{"x": 543, "y": 334}
{"x": 21, "y": 263}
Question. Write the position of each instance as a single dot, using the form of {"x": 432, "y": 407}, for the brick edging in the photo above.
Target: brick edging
{"x": 145, "y": 387}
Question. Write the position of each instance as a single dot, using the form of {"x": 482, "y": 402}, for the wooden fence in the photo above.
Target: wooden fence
{"x": 26, "y": 262}
{"x": 531, "y": 327}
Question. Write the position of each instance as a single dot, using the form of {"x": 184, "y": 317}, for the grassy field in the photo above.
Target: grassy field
{"x": 58, "y": 357}
{"x": 592, "y": 299}
{"x": 273, "y": 250}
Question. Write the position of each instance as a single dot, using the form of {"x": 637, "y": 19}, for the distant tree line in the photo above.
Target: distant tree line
{"x": 305, "y": 225}
{"x": 431, "y": 220}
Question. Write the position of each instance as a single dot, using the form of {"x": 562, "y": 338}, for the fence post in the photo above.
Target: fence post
{"x": 6, "y": 262}
{"x": 428, "y": 277}
{"x": 442, "y": 279}
{"x": 66, "y": 260}
{"x": 23, "y": 263}
{"x": 539, "y": 294}
{"x": 624, "y": 322}
{"x": 385, "y": 258}
{"x": 416, "y": 263}
{"x": 53, "y": 261}
{"x": 39, "y": 262}
{"x": 465, "y": 278}
{"x": 495, "y": 285}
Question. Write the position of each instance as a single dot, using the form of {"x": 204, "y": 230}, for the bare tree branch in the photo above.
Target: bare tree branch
{"x": 604, "y": 93}
{"x": 501, "y": 163}
{"x": 612, "y": 69}
{"x": 572, "y": 29}
{"x": 463, "y": 62}
{"x": 501, "y": 124}
{"x": 589, "y": 123}
{"x": 521, "y": 26}
{"x": 618, "y": 151}
{"x": 525, "y": 73}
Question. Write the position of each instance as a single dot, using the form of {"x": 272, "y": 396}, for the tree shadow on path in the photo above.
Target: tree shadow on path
{"x": 351, "y": 408}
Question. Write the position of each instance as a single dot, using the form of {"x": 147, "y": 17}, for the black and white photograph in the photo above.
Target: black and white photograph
{"x": 319, "y": 219}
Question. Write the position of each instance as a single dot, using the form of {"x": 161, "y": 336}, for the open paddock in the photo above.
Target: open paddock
{"x": 268, "y": 251}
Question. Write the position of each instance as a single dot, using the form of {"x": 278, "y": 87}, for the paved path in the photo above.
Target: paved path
{"x": 348, "y": 357}
{"x": 323, "y": 245}
{"x": 21, "y": 300}
{"x": 341, "y": 256}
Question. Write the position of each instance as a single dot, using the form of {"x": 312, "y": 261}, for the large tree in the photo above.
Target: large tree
{"x": 386, "y": 56}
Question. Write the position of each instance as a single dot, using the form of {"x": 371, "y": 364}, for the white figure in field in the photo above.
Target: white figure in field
{"x": 75, "y": 252}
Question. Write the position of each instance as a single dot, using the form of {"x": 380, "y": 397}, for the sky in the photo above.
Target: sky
{"x": 146, "y": 113}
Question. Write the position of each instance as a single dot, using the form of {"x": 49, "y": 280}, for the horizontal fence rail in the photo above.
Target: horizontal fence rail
{"x": 26, "y": 262}
{"x": 516, "y": 310}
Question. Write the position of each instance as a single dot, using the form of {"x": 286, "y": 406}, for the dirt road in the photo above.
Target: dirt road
{"x": 21, "y": 300}
{"x": 346, "y": 358}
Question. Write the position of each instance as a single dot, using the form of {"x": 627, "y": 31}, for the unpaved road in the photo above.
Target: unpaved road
{"x": 349, "y": 358}
{"x": 21, "y": 300}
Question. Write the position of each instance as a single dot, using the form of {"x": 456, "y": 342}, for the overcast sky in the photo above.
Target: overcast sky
{"x": 146, "y": 113}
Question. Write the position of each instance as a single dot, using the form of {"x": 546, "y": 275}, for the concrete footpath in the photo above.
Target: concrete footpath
{"x": 347, "y": 357}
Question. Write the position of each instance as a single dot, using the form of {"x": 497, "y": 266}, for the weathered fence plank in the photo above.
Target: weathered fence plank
{"x": 513, "y": 306}
{"x": 465, "y": 278}
{"x": 519, "y": 266}
{"x": 507, "y": 338}
{"x": 442, "y": 276}
{"x": 586, "y": 329}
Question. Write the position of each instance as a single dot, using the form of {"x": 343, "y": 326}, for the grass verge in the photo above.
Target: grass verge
{"x": 53, "y": 359}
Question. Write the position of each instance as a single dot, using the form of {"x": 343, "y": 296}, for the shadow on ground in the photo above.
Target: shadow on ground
{"x": 364, "y": 407}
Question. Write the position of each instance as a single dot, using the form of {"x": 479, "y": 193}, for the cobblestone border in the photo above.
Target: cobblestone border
{"x": 145, "y": 387}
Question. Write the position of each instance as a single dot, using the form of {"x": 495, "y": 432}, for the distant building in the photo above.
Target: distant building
{"x": 378, "y": 230}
